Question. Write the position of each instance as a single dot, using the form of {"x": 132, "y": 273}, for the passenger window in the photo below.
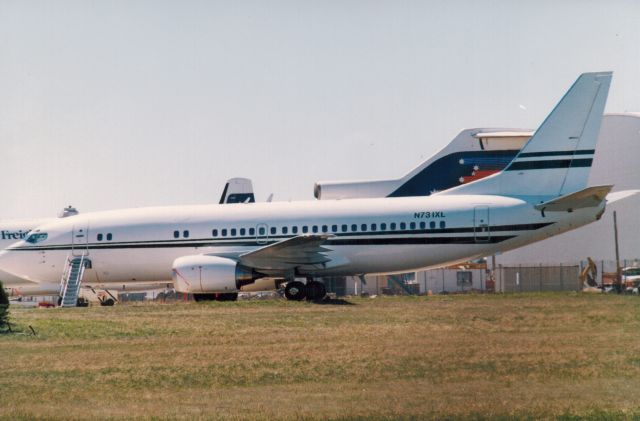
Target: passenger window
{"x": 99, "y": 237}
{"x": 185, "y": 233}
{"x": 305, "y": 229}
{"x": 176, "y": 234}
{"x": 294, "y": 229}
{"x": 109, "y": 237}
{"x": 233, "y": 232}
{"x": 262, "y": 231}
{"x": 325, "y": 228}
{"x": 442, "y": 224}
{"x": 432, "y": 225}
{"x": 383, "y": 227}
{"x": 363, "y": 227}
{"x": 314, "y": 228}
{"x": 423, "y": 225}
{"x": 393, "y": 226}
{"x": 374, "y": 227}
{"x": 224, "y": 232}
{"x": 252, "y": 231}
{"x": 344, "y": 228}
{"x": 273, "y": 230}
{"x": 243, "y": 232}
{"x": 285, "y": 230}
{"x": 354, "y": 227}
{"x": 403, "y": 226}
{"x": 214, "y": 233}
{"x": 334, "y": 228}
{"x": 412, "y": 225}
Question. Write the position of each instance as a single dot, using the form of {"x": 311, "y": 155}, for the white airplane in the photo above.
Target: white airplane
{"x": 210, "y": 249}
{"x": 12, "y": 230}
{"x": 236, "y": 190}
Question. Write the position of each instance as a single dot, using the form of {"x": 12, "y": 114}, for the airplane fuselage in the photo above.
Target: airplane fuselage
{"x": 366, "y": 235}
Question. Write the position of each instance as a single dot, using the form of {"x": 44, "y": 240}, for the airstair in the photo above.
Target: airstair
{"x": 401, "y": 284}
{"x": 71, "y": 280}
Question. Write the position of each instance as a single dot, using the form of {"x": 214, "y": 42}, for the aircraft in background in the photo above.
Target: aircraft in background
{"x": 237, "y": 190}
{"x": 211, "y": 249}
{"x": 473, "y": 154}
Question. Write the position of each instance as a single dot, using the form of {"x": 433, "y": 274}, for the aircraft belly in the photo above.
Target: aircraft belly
{"x": 385, "y": 259}
{"x": 139, "y": 265}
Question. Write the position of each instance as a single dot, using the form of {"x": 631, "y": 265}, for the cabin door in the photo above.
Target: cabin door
{"x": 481, "y": 227}
{"x": 80, "y": 240}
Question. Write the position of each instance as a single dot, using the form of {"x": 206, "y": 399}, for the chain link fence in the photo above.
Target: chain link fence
{"x": 538, "y": 278}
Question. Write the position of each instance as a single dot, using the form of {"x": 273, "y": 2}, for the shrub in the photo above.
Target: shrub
{"x": 4, "y": 309}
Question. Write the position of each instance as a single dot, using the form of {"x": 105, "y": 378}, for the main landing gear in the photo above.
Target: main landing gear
{"x": 230, "y": 296}
{"x": 312, "y": 290}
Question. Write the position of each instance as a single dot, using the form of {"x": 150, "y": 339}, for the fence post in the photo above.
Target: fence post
{"x": 540, "y": 278}
{"x": 561, "y": 278}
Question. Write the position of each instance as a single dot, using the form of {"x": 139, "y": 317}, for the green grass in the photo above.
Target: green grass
{"x": 464, "y": 357}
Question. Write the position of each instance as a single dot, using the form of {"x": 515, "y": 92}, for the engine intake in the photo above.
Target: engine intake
{"x": 210, "y": 274}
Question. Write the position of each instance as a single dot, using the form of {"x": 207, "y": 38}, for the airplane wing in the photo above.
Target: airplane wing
{"x": 302, "y": 250}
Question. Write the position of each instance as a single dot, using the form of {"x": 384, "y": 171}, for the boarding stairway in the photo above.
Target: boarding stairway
{"x": 400, "y": 282}
{"x": 71, "y": 280}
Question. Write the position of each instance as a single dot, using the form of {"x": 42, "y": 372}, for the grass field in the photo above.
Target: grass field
{"x": 530, "y": 356}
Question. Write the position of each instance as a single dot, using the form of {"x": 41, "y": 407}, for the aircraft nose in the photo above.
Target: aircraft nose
{"x": 13, "y": 262}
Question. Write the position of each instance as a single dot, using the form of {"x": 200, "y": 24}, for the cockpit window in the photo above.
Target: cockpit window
{"x": 36, "y": 237}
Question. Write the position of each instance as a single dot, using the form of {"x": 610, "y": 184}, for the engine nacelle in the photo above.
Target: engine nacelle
{"x": 210, "y": 274}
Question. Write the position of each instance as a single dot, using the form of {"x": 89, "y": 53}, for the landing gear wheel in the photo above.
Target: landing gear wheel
{"x": 108, "y": 302}
{"x": 230, "y": 296}
{"x": 315, "y": 290}
{"x": 295, "y": 290}
{"x": 204, "y": 297}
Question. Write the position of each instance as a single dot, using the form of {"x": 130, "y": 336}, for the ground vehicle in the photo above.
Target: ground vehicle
{"x": 631, "y": 279}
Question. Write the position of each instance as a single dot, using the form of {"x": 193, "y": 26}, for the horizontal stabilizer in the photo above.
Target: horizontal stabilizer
{"x": 619, "y": 195}
{"x": 586, "y": 198}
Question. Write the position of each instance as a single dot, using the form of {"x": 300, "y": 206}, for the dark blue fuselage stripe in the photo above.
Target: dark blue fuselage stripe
{"x": 419, "y": 240}
{"x": 337, "y": 239}
{"x": 338, "y": 242}
{"x": 549, "y": 164}
{"x": 557, "y": 153}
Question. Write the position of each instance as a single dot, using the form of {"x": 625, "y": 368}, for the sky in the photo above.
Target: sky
{"x": 128, "y": 103}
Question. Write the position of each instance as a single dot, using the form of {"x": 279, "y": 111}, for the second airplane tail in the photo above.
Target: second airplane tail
{"x": 556, "y": 161}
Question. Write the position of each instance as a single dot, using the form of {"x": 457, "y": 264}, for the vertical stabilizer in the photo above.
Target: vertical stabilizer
{"x": 238, "y": 190}
{"x": 558, "y": 158}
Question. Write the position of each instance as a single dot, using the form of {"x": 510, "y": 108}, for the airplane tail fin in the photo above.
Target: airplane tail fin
{"x": 238, "y": 190}
{"x": 556, "y": 161}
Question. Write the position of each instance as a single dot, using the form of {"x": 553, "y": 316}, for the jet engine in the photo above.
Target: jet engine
{"x": 210, "y": 274}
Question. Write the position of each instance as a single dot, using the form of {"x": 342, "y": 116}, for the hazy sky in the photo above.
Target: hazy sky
{"x": 108, "y": 104}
